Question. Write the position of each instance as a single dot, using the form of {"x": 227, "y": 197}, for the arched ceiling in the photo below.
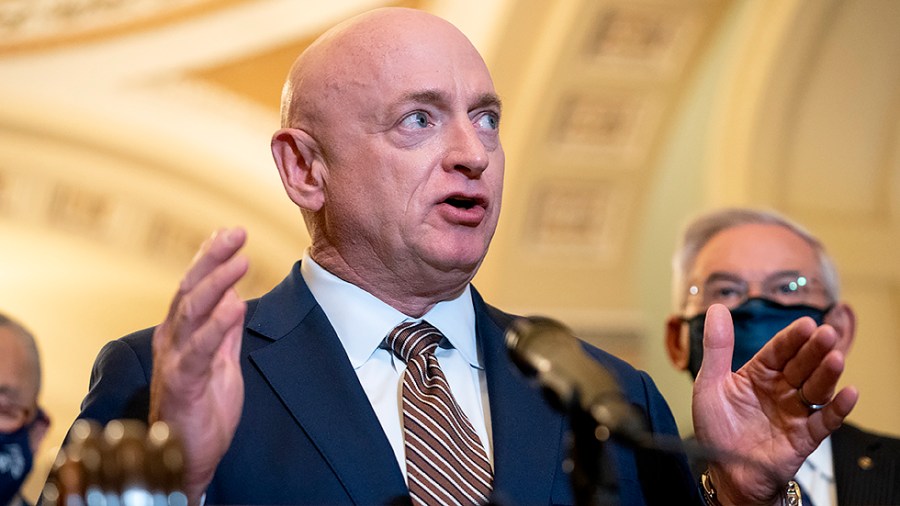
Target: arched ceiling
{"x": 129, "y": 130}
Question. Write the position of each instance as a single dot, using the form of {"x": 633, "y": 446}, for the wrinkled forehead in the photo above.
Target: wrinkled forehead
{"x": 368, "y": 61}
{"x": 403, "y": 51}
{"x": 755, "y": 251}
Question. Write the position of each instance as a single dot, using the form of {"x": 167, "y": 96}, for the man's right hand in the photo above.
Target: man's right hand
{"x": 197, "y": 387}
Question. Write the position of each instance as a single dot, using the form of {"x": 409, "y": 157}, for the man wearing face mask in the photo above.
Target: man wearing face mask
{"x": 22, "y": 423}
{"x": 769, "y": 272}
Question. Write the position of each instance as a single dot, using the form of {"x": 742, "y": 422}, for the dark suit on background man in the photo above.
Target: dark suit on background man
{"x": 866, "y": 466}
{"x": 321, "y": 443}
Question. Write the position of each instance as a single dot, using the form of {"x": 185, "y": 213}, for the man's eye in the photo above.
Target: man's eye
{"x": 417, "y": 119}
{"x": 727, "y": 292}
{"x": 791, "y": 288}
{"x": 489, "y": 121}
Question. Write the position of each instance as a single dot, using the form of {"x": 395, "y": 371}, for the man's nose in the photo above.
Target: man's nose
{"x": 466, "y": 151}
{"x": 754, "y": 290}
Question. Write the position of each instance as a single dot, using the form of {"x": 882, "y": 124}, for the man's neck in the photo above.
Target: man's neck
{"x": 413, "y": 294}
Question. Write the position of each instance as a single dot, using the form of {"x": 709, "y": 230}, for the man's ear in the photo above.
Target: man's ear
{"x": 677, "y": 343}
{"x": 301, "y": 167}
{"x": 843, "y": 319}
{"x": 38, "y": 430}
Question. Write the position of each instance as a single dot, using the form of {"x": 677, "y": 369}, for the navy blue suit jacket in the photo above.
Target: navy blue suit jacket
{"x": 308, "y": 434}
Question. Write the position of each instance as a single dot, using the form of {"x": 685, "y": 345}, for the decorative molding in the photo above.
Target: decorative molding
{"x": 113, "y": 220}
{"x": 656, "y": 38}
{"x": 602, "y": 121}
{"x": 577, "y": 217}
{"x": 34, "y": 24}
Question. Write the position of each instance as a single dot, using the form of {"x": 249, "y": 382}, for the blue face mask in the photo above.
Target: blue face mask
{"x": 755, "y": 322}
{"x": 15, "y": 462}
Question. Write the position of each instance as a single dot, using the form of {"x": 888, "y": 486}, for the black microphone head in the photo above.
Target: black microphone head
{"x": 546, "y": 349}
{"x": 570, "y": 378}
{"x": 524, "y": 339}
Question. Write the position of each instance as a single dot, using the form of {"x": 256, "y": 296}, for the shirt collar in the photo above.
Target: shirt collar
{"x": 362, "y": 321}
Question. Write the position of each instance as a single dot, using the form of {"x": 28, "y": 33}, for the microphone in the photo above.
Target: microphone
{"x": 547, "y": 350}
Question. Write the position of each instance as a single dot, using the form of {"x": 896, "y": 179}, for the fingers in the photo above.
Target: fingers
{"x": 214, "y": 252}
{"x": 219, "y": 330}
{"x": 221, "y": 246}
{"x": 206, "y": 308}
{"x": 828, "y": 419}
{"x": 785, "y": 345}
{"x": 718, "y": 344}
{"x": 841, "y": 406}
{"x": 197, "y": 307}
{"x": 216, "y": 269}
{"x": 234, "y": 337}
{"x": 812, "y": 364}
{"x": 818, "y": 387}
{"x": 816, "y": 360}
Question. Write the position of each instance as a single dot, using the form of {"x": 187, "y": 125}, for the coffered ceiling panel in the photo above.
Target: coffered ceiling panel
{"x": 594, "y": 111}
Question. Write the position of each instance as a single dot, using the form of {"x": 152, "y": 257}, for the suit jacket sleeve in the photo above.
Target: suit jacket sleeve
{"x": 664, "y": 475}
{"x": 120, "y": 380}
{"x": 649, "y": 476}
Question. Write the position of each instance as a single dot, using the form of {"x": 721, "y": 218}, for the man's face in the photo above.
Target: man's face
{"x": 414, "y": 161}
{"x": 755, "y": 260}
{"x": 18, "y": 390}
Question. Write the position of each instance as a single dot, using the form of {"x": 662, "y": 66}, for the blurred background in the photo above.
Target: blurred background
{"x": 131, "y": 129}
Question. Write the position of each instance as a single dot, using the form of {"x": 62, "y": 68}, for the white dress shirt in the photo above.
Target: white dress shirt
{"x": 362, "y": 322}
{"x": 816, "y": 476}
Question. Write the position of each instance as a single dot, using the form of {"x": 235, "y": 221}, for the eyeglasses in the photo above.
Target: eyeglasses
{"x": 787, "y": 288}
{"x": 12, "y": 416}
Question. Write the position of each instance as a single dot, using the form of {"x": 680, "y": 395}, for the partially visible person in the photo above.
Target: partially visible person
{"x": 769, "y": 271}
{"x": 22, "y": 423}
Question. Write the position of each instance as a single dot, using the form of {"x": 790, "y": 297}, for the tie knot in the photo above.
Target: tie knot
{"x": 410, "y": 339}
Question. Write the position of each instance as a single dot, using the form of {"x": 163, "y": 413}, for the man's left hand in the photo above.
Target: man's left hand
{"x": 758, "y": 412}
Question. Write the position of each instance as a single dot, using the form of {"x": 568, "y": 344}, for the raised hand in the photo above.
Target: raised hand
{"x": 758, "y": 412}
{"x": 197, "y": 387}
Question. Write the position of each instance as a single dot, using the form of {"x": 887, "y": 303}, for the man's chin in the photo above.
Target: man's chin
{"x": 459, "y": 263}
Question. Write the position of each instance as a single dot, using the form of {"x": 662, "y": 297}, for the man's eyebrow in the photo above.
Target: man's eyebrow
{"x": 437, "y": 97}
{"x": 425, "y": 96}
{"x": 728, "y": 276}
{"x": 723, "y": 276}
{"x": 488, "y": 100}
{"x": 783, "y": 273}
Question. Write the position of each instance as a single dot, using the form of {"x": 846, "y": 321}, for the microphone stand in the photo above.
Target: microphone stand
{"x": 591, "y": 472}
{"x": 579, "y": 387}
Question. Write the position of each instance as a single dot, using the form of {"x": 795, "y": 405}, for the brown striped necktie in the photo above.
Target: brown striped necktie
{"x": 445, "y": 461}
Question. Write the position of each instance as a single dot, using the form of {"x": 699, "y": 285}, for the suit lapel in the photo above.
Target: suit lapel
{"x": 309, "y": 370}
{"x": 306, "y": 359}
{"x": 526, "y": 433}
